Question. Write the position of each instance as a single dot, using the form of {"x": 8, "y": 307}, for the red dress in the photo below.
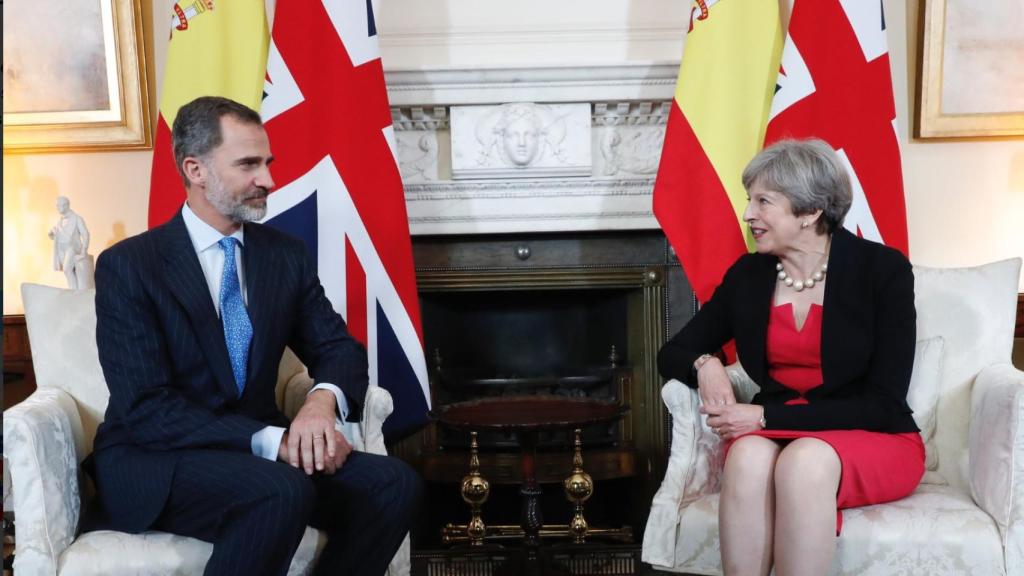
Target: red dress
{"x": 877, "y": 467}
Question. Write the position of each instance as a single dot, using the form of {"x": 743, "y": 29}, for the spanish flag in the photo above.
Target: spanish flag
{"x": 217, "y": 48}
{"x": 716, "y": 125}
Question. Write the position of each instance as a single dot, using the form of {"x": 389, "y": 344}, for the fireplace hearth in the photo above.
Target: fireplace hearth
{"x": 579, "y": 315}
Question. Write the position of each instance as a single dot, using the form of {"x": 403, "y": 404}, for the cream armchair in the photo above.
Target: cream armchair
{"x": 967, "y": 515}
{"x": 47, "y": 436}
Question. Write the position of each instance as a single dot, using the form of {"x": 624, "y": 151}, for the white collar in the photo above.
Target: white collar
{"x": 202, "y": 234}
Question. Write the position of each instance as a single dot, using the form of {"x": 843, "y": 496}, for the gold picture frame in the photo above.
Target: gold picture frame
{"x": 971, "y": 72}
{"x": 75, "y": 76}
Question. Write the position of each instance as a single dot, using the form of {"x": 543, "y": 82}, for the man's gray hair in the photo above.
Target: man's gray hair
{"x": 808, "y": 173}
{"x": 197, "y": 127}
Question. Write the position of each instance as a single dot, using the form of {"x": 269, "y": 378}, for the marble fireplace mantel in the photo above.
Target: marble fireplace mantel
{"x": 629, "y": 106}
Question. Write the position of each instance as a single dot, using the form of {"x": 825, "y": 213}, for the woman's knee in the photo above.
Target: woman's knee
{"x": 749, "y": 468}
{"x": 751, "y": 456}
{"x": 808, "y": 463}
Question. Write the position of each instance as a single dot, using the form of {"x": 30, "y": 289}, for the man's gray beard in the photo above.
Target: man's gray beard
{"x": 236, "y": 210}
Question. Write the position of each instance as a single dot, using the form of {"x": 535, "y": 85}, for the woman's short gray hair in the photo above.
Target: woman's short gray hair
{"x": 808, "y": 173}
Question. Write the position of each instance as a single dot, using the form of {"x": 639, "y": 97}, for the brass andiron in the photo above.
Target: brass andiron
{"x": 578, "y": 488}
{"x": 475, "y": 490}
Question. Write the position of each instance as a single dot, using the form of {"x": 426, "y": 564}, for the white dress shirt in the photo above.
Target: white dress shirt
{"x": 205, "y": 240}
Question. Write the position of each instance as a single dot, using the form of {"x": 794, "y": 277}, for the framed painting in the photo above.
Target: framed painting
{"x": 971, "y": 73}
{"x": 74, "y": 76}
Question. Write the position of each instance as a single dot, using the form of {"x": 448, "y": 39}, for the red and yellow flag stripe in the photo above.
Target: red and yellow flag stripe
{"x": 716, "y": 125}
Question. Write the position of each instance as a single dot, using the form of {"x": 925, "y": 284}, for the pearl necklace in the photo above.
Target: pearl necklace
{"x": 799, "y": 285}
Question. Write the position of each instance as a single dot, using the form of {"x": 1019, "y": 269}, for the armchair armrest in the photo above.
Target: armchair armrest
{"x": 694, "y": 464}
{"x": 996, "y": 450}
{"x": 693, "y": 470}
{"x": 379, "y": 406}
{"x": 40, "y": 438}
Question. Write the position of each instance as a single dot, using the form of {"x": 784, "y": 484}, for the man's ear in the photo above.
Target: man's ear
{"x": 194, "y": 170}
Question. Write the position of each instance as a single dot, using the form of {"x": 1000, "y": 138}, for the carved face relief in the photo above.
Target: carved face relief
{"x": 63, "y": 204}
{"x": 521, "y": 140}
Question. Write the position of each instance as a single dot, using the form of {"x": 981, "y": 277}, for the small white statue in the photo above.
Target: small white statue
{"x": 71, "y": 247}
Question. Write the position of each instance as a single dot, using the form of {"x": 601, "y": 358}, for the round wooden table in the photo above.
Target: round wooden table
{"x": 527, "y": 416}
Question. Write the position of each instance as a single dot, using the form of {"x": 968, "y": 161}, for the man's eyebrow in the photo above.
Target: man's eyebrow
{"x": 253, "y": 160}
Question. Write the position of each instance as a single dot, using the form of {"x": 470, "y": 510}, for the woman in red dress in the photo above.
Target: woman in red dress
{"x": 824, "y": 323}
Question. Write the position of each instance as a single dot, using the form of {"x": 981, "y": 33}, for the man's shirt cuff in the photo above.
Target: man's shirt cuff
{"x": 267, "y": 442}
{"x": 338, "y": 395}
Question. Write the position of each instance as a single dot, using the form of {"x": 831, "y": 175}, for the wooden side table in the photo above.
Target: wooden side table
{"x": 527, "y": 416}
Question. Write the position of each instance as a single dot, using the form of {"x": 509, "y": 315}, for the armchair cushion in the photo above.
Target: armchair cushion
{"x": 62, "y": 329}
{"x": 912, "y": 536}
{"x": 161, "y": 554}
{"x": 923, "y": 394}
{"x": 973, "y": 310}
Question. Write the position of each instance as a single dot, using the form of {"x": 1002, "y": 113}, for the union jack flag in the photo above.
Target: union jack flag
{"x": 836, "y": 84}
{"x": 326, "y": 111}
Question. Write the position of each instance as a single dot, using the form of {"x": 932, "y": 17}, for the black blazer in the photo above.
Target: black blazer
{"x": 867, "y": 338}
{"x": 161, "y": 347}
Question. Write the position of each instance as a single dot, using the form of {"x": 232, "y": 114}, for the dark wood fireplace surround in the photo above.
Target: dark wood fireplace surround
{"x": 576, "y": 314}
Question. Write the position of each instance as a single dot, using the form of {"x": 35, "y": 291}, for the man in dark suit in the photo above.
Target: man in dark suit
{"x": 192, "y": 320}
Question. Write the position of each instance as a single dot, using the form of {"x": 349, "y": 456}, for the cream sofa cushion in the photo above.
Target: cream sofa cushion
{"x": 161, "y": 554}
{"x": 923, "y": 394}
{"x": 62, "y": 329}
{"x": 973, "y": 310}
{"x": 936, "y": 531}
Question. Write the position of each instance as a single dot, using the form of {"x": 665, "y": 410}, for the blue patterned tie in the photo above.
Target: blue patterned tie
{"x": 237, "y": 328}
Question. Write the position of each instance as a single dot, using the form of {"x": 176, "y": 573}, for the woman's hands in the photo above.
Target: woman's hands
{"x": 733, "y": 420}
{"x": 718, "y": 402}
{"x": 713, "y": 383}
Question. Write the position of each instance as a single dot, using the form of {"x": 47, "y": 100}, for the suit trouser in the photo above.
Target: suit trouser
{"x": 255, "y": 511}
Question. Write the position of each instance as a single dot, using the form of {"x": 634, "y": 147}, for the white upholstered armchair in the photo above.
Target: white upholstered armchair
{"x": 48, "y": 435}
{"x": 967, "y": 516}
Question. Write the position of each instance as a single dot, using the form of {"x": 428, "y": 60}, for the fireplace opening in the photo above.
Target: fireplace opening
{"x": 527, "y": 342}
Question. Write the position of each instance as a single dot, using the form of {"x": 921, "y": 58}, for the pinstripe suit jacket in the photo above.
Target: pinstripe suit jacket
{"x": 161, "y": 346}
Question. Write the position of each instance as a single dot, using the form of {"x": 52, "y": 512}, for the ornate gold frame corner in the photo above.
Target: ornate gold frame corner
{"x": 930, "y": 120}
{"x": 126, "y": 125}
